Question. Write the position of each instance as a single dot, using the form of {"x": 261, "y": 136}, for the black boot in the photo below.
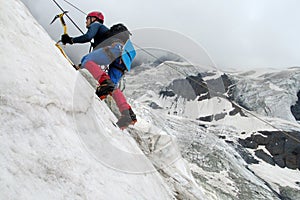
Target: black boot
{"x": 105, "y": 88}
{"x": 128, "y": 117}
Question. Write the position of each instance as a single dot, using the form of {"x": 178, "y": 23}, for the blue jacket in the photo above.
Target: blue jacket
{"x": 96, "y": 30}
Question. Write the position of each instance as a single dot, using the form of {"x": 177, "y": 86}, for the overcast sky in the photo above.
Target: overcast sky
{"x": 235, "y": 33}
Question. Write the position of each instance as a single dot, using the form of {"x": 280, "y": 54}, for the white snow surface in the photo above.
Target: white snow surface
{"x": 50, "y": 129}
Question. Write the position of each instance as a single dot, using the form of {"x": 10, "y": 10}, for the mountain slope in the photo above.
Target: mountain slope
{"x": 47, "y": 131}
{"x": 214, "y": 136}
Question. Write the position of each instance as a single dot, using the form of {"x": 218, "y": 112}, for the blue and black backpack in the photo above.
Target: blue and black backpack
{"x": 120, "y": 32}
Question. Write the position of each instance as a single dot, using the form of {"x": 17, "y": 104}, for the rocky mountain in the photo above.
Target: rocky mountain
{"x": 237, "y": 130}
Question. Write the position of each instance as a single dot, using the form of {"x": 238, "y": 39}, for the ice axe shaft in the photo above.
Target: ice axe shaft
{"x": 66, "y": 56}
{"x": 61, "y": 17}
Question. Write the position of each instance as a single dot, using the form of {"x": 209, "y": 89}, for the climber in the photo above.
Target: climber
{"x": 111, "y": 47}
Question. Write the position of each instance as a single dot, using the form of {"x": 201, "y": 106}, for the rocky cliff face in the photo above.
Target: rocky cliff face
{"x": 295, "y": 109}
{"x": 280, "y": 148}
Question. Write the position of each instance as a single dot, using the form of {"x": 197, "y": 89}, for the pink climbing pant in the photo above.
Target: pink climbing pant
{"x": 96, "y": 71}
{"x": 120, "y": 100}
{"x": 100, "y": 76}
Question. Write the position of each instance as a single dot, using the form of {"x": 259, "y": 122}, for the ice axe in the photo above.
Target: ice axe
{"x": 61, "y": 17}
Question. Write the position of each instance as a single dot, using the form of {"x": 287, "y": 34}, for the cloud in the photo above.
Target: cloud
{"x": 250, "y": 33}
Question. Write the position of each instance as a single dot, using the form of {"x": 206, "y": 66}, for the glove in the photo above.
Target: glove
{"x": 65, "y": 39}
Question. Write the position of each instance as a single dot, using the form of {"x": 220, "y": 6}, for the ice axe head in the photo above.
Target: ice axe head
{"x": 61, "y": 17}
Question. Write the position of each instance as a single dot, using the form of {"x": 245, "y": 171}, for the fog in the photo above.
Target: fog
{"x": 234, "y": 33}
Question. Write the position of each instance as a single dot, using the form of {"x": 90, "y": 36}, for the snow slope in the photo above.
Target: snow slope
{"x": 50, "y": 127}
{"x": 269, "y": 92}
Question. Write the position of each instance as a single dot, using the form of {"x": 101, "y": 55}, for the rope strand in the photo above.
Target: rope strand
{"x": 68, "y": 16}
{"x": 75, "y": 7}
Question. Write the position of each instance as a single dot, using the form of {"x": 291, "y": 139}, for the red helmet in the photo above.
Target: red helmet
{"x": 96, "y": 14}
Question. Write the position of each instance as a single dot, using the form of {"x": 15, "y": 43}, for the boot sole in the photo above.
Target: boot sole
{"x": 131, "y": 123}
{"x": 104, "y": 96}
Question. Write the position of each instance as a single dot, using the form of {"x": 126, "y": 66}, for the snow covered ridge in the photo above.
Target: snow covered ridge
{"x": 272, "y": 93}
{"x": 284, "y": 145}
{"x": 221, "y": 142}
